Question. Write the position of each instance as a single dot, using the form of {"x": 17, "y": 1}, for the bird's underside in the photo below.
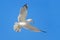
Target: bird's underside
{"x": 22, "y": 22}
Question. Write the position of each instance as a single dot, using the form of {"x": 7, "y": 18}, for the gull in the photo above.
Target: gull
{"x": 23, "y": 23}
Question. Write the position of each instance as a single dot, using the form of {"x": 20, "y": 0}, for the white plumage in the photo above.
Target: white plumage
{"x": 22, "y": 22}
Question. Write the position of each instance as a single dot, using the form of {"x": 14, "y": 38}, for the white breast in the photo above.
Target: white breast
{"x": 22, "y": 23}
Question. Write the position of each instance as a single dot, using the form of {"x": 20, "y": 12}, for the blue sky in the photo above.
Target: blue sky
{"x": 45, "y": 13}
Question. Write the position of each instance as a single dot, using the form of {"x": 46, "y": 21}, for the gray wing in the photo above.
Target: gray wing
{"x": 32, "y": 28}
{"x": 23, "y": 13}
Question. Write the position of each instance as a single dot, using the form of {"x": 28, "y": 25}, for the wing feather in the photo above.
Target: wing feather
{"x": 23, "y": 13}
{"x": 32, "y": 28}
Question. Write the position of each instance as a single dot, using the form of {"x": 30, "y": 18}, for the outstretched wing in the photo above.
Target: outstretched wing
{"x": 23, "y": 13}
{"x": 32, "y": 28}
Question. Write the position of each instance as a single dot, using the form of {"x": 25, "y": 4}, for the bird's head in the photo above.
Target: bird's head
{"x": 29, "y": 20}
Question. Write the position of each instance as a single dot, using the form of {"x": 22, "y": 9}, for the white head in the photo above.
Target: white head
{"x": 29, "y": 20}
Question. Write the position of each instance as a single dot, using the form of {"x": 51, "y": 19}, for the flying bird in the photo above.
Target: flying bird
{"x": 23, "y": 23}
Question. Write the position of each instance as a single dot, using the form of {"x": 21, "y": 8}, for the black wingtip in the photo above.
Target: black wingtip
{"x": 44, "y": 31}
{"x": 25, "y": 5}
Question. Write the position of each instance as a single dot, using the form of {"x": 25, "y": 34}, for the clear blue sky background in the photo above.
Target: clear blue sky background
{"x": 45, "y": 13}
